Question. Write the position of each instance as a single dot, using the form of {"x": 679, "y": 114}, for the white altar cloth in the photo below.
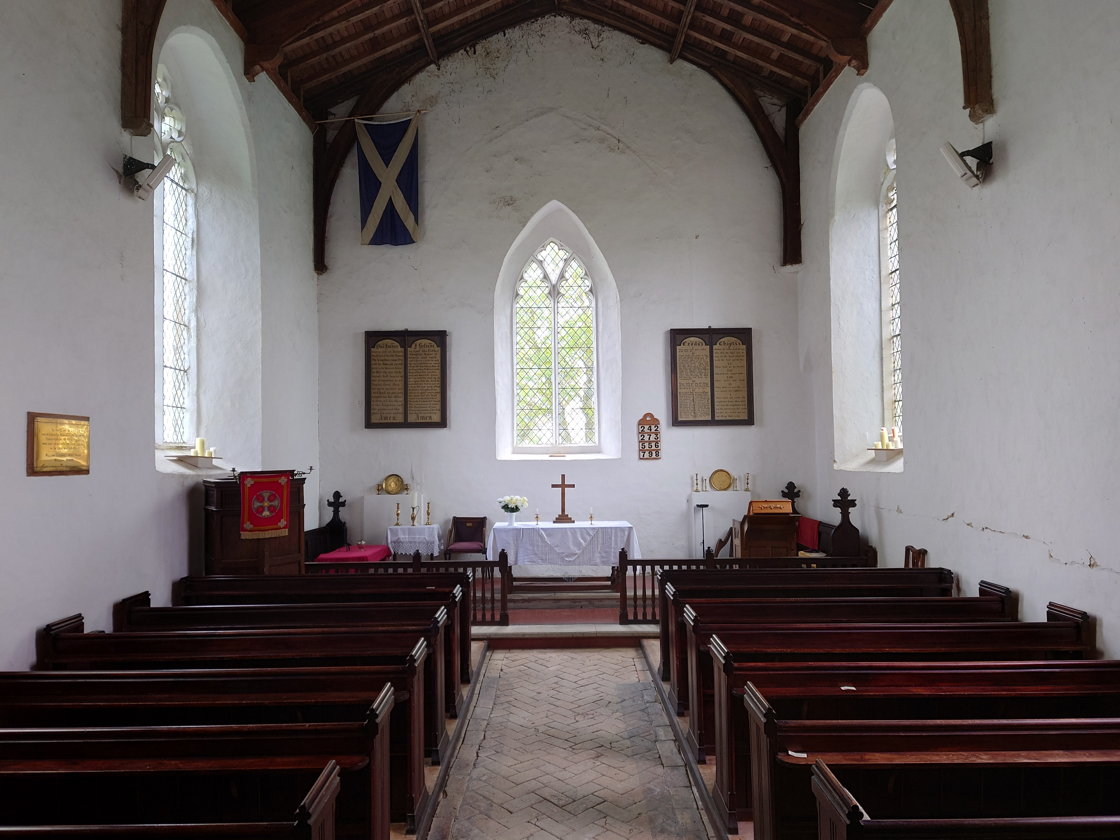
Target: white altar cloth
{"x": 550, "y": 548}
{"x": 406, "y": 539}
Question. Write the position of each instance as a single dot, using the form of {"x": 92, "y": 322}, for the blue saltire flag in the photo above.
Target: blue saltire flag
{"x": 389, "y": 182}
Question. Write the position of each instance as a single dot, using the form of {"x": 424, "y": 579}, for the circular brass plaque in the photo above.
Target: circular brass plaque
{"x": 720, "y": 480}
{"x": 393, "y": 484}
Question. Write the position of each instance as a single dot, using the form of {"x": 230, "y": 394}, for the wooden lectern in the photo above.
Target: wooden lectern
{"x": 770, "y": 529}
{"x": 228, "y": 554}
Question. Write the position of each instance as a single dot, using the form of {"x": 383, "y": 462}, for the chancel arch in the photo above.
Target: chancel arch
{"x": 555, "y": 223}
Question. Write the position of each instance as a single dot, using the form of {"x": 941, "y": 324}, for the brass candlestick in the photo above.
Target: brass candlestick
{"x": 414, "y": 509}
{"x": 398, "y": 522}
{"x": 428, "y": 513}
{"x": 590, "y": 516}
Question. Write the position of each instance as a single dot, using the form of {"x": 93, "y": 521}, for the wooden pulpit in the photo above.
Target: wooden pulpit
{"x": 770, "y": 529}
{"x": 228, "y": 554}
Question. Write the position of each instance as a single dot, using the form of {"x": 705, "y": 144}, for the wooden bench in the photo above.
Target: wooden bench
{"x": 116, "y": 817}
{"x": 310, "y": 589}
{"x": 1067, "y": 634}
{"x": 137, "y": 614}
{"x": 236, "y": 696}
{"x": 990, "y": 801}
{"x": 1095, "y": 682}
{"x": 792, "y": 583}
{"x": 63, "y": 645}
{"x": 993, "y": 603}
{"x": 785, "y": 723}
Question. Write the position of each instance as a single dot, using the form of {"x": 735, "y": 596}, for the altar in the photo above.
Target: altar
{"x": 549, "y": 549}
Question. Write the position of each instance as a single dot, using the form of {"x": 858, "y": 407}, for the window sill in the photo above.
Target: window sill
{"x": 183, "y": 462}
{"x": 873, "y": 460}
{"x": 566, "y": 456}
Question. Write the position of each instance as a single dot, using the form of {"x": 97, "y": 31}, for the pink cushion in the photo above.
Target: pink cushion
{"x": 466, "y": 547}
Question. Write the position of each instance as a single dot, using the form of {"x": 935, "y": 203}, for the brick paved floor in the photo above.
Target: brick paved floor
{"x": 568, "y": 745}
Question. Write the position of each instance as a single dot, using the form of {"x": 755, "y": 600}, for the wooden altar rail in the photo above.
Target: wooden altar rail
{"x": 491, "y": 578}
{"x": 638, "y": 596}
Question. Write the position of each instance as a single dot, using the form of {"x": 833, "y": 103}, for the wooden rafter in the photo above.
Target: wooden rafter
{"x": 349, "y": 42}
{"x": 784, "y": 153}
{"x": 269, "y": 33}
{"x": 976, "y": 57}
{"x": 139, "y": 21}
{"x": 425, "y": 33}
{"x": 682, "y": 30}
{"x": 772, "y": 44}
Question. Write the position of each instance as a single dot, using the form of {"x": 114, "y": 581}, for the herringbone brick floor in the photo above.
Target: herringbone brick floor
{"x": 568, "y": 745}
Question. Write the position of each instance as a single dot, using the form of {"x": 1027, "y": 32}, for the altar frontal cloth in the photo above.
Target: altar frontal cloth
{"x": 265, "y": 510}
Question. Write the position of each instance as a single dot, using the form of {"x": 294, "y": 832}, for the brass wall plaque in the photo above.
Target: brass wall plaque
{"x": 57, "y": 444}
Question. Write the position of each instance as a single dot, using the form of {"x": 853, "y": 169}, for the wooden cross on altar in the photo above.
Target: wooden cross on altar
{"x": 563, "y": 517}
{"x": 335, "y": 504}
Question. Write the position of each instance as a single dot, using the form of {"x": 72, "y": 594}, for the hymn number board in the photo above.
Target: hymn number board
{"x": 406, "y": 379}
{"x": 649, "y": 438}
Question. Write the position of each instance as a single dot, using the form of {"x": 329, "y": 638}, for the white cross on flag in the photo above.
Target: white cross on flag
{"x": 389, "y": 182}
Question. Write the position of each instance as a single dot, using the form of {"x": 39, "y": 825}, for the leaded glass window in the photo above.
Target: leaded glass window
{"x": 176, "y": 276}
{"x": 554, "y": 378}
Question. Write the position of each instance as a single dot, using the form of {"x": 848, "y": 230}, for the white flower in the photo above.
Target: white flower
{"x": 512, "y": 504}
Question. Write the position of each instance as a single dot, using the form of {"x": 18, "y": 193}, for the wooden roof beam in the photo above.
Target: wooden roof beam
{"x": 139, "y": 21}
{"x": 269, "y": 33}
{"x": 772, "y": 44}
{"x": 976, "y": 57}
{"x": 682, "y": 30}
{"x": 844, "y": 34}
{"x": 784, "y": 153}
{"x": 350, "y": 41}
{"x": 425, "y": 33}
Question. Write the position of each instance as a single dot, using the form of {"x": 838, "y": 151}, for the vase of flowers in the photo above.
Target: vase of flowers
{"x": 511, "y": 505}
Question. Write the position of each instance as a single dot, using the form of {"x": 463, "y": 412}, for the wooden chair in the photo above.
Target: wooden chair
{"x": 467, "y": 535}
{"x": 915, "y": 558}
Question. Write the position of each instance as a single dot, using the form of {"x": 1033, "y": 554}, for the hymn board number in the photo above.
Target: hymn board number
{"x": 649, "y": 438}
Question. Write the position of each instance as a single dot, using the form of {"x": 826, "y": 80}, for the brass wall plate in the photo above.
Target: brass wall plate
{"x": 392, "y": 485}
{"x": 720, "y": 480}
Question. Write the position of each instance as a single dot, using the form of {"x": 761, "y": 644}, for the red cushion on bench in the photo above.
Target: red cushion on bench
{"x": 356, "y": 554}
{"x": 466, "y": 546}
{"x": 808, "y": 533}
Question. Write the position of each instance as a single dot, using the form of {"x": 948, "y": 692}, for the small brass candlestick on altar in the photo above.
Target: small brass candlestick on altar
{"x": 590, "y": 515}
{"x": 428, "y": 513}
{"x": 414, "y": 510}
{"x": 398, "y": 522}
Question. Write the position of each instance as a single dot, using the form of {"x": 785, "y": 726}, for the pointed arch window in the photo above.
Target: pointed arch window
{"x": 891, "y": 298}
{"x": 176, "y": 378}
{"x": 554, "y": 354}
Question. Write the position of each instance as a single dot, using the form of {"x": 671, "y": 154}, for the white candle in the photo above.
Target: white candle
{"x": 209, "y": 453}
{"x": 883, "y": 441}
{"x": 416, "y": 500}
{"x": 199, "y": 446}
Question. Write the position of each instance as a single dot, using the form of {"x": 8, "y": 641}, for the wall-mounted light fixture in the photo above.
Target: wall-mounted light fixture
{"x": 144, "y": 185}
{"x": 971, "y": 175}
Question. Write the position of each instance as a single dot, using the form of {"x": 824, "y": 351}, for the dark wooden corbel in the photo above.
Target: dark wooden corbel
{"x": 139, "y": 21}
{"x": 976, "y": 57}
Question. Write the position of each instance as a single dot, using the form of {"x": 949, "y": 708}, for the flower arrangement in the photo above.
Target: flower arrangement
{"x": 512, "y": 504}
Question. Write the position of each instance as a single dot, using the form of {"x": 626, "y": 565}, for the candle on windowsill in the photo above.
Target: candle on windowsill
{"x": 884, "y": 441}
{"x": 200, "y": 446}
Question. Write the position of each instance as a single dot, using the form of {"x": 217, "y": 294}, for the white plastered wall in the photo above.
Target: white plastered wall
{"x": 1010, "y": 304}
{"x": 663, "y": 169}
{"x": 78, "y": 332}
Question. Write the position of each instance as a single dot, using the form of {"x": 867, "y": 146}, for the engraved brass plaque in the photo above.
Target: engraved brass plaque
{"x": 57, "y": 444}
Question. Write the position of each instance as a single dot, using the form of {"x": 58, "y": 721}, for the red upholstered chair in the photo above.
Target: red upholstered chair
{"x": 467, "y": 535}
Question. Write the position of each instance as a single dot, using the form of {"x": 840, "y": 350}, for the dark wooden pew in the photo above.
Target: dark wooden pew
{"x": 63, "y": 645}
{"x": 236, "y": 696}
{"x": 315, "y": 589}
{"x": 112, "y": 819}
{"x": 1075, "y": 800}
{"x": 1067, "y": 634}
{"x": 791, "y": 583}
{"x": 268, "y": 758}
{"x": 993, "y": 603}
{"x": 1096, "y": 684}
{"x": 784, "y": 722}
{"x": 136, "y": 613}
